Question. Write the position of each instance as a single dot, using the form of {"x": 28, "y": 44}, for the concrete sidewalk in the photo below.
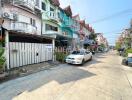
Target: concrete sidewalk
{"x": 128, "y": 72}
{"x": 27, "y": 70}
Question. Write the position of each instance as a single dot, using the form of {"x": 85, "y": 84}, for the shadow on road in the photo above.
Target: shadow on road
{"x": 62, "y": 74}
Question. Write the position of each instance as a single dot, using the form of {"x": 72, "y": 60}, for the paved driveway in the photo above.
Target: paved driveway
{"x": 101, "y": 79}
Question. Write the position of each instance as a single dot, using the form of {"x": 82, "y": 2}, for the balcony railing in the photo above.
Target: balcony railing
{"x": 23, "y": 27}
{"x": 26, "y": 3}
{"x": 50, "y": 15}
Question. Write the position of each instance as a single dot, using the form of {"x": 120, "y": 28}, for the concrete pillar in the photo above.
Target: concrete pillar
{"x": 7, "y": 50}
{"x": 53, "y": 43}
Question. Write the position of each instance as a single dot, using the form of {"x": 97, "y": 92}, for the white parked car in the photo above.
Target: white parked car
{"x": 79, "y": 57}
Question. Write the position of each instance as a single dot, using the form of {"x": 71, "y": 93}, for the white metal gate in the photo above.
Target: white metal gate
{"x": 29, "y": 53}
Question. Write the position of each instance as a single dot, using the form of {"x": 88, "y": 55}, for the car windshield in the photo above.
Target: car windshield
{"x": 78, "y": 53}
{"x": 129, "y": 59}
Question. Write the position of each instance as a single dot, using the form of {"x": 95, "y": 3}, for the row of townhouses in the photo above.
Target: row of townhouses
{"x": 34, "y": 28}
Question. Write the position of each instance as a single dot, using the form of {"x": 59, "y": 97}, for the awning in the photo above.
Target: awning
{"x": 29, "y": 38}
{"x": 88, "y": 42}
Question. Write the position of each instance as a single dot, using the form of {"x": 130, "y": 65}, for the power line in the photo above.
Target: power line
{"x": 112, "y": 16}
{"x": 114, "y": 31}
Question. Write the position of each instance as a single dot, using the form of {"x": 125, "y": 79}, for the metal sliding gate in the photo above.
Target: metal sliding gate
{"x": 21, "y": 54}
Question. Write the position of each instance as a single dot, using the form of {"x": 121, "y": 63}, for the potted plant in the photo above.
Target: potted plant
{"x": 2, "y": 60}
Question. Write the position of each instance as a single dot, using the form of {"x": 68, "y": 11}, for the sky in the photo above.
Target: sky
{"x": 117, "y": 14}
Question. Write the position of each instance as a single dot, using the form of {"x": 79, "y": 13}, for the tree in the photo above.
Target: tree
{"x": 92, "y": 36}
{"x": 118, "y": 45}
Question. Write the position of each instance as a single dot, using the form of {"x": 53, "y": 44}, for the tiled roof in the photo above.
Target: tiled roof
{"x": 87, "y": 26}
{"x": 93, "y": 31}
{"x": 90, "y": 29}
{"x": 82, "y": 22}
{"x": 75, "y": 16}
{"x": 68, "y": 11}
{"x": 55, "y": 2}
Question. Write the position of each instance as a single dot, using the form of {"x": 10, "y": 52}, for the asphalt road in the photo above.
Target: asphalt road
{"x": 104, "y": 78}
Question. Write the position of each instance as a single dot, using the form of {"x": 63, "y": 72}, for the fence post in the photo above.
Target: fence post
{"x": 53, "y": 43}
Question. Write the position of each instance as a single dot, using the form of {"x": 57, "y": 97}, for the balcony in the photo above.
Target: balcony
{"x": 30, "y": 4}
{"x": 23, "y": 27}
{"x": 50, "y": 15}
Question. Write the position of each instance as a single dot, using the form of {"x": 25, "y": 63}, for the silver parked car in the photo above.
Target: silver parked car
{"x": 79, "y": 57}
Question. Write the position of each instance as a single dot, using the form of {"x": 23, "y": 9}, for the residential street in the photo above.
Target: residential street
{"x": 104, "y": 78}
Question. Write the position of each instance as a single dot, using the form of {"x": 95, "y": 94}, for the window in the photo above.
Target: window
{"x": 43, "y": 6}
{"x": 50, "y": 27}
{"x": 87, "y": 52}
{"x": 32, "y": 22}
{"x": 58, "y": 15}
{"x": 78, "y": 53}
{"x": 51, "y": 9}
{"x": 37, "y": 3}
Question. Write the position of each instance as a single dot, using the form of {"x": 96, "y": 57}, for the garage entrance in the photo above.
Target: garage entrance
{"x": 25, "y": 49}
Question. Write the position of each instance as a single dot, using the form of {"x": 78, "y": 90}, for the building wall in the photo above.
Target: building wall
{"x": 66, "y": 24}
{"x": 50, "y": 18}
{"x": 23, "y": 16}
{"x": 50, "y": 32}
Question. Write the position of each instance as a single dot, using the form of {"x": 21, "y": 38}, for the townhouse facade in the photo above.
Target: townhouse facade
{"x": 101, "y": 41}
{"x": 22, "y": 15}
{"x": 24, "y": 43}
{"x": 36, "y": 27}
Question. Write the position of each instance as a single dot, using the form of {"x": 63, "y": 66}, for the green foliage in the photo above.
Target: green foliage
{"x": 1, "y": 51}
{"x": 2, "y": 59}
{"x": 127, "y": 42}
{"x": 102, "y": 46}
{"x": 127, "y": 51}
{"x": 93, "y": 36}
{"x": 61, "y": 56}
{"x": 118, "y": 46}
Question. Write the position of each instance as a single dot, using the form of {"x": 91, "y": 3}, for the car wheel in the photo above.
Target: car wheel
{"x": 83, "y": 62}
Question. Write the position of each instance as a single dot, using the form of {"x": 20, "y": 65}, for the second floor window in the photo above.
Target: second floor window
{"x": 51, "y": 9}
{"x": 43, "y": 6}
{"x": 50, "y": 27}
{"x": 59, "y": 15}
{"x": 32, "y": 21}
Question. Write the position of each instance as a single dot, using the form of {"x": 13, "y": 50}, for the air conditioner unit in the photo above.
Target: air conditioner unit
{"x": 7, "y": 15}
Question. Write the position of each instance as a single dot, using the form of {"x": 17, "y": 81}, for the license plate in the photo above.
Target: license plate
{"x": 68, "y": 61}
